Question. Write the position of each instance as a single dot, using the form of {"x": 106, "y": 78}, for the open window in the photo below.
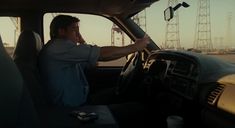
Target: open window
{"x": 96, "y": 30}
{"x": 10, "y": 30}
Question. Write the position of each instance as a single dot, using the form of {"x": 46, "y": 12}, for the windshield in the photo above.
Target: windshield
{"x": 201, "y": 27}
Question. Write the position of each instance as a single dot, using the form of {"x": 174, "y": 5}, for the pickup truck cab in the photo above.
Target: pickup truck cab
{"x": 161, "y": 81}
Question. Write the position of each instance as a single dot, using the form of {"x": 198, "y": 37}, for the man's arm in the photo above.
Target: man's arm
{"x": 113, "y": 52}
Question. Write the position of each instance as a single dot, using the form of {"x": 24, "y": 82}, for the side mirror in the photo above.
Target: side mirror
{"x": 169, "y": 12}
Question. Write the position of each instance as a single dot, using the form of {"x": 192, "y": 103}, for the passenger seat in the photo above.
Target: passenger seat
{"x": 16, "y": 109}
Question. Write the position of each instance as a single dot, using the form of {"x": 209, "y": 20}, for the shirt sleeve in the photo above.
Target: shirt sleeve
{"x": 69, "y": 51}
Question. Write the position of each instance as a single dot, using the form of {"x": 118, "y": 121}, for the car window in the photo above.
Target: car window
{"x": 206, "y": 27}
{"x": 96, "y": 30}
{"x": 10, "y": 30}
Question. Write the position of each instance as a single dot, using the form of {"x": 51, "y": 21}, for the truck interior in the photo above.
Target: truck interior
{"x": 151, "y": 85}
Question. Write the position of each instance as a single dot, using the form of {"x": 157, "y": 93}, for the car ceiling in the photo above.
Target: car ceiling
{"x": 100, "y": 7}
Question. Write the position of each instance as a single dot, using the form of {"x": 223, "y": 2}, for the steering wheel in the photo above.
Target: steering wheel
{"x": 129, "y": 76}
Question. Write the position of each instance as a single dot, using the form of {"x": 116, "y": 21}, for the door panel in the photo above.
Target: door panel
{"x": 103, "y": 77}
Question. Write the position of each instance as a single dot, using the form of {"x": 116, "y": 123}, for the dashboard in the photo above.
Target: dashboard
{"x": 193, "y": 81}
{"x": 176, "y": 72}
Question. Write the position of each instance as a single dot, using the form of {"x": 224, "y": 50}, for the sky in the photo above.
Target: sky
{"x": 156, "y": 26}
{"x": 219, "y": 10}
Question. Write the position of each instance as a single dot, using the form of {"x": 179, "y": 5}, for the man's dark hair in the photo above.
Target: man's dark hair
{"x": 61, "y": 22}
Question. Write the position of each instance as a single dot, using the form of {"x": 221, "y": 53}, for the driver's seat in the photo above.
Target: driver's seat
{"x": 26, "y": 58}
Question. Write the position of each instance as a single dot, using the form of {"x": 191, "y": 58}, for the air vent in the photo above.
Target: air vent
{"x": 214, "y": 95}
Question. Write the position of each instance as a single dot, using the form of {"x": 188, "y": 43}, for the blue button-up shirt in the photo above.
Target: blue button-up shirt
{"x": 62, "y": 63}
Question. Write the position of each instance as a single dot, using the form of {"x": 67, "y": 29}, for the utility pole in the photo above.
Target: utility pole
{"x": 221, "y": 41}
{"x": 216, "y": 43}
{"x": 140, "y": 19}
{"x": 203, "y": 27}
{"x": 16, "y": 23}
{"x": 172, "y": 38}
{"x": 229, "y": 30}
{"x": 117, "y": 35}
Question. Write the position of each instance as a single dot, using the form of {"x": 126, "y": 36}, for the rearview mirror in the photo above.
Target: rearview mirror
{"x": 169, "y": 12}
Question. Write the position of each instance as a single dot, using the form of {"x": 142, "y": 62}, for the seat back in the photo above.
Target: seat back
{"x": 26, "y": 58}
{"x": 16, "y": 107}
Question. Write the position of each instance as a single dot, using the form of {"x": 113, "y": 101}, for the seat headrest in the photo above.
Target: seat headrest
{"x": 28, "y": 46}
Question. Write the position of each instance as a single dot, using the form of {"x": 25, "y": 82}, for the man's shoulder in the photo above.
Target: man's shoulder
{"x": 59, "y": 43}
{"x": 62, "y": 42}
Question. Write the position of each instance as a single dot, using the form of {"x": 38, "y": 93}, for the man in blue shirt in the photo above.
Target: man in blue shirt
{"x": 63, "y": 59}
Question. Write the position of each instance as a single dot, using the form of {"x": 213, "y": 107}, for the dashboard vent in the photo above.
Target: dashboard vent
{"x": 214, "y": 95}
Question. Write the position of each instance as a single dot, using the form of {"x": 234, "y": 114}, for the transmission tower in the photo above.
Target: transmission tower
{"x": 203, "y": 27}
{"x": 216, "y": 43}
{"x": 139, "y": 19}
{"x": 16, "y": 23}
{"x": 117, "y": 35}
{"x": 229, "y": 30}
{"x": 221, "y": 41}
{"x": 172, "y": 38}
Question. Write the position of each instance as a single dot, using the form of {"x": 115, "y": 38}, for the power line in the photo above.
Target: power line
{"x": 16, "y": 23}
